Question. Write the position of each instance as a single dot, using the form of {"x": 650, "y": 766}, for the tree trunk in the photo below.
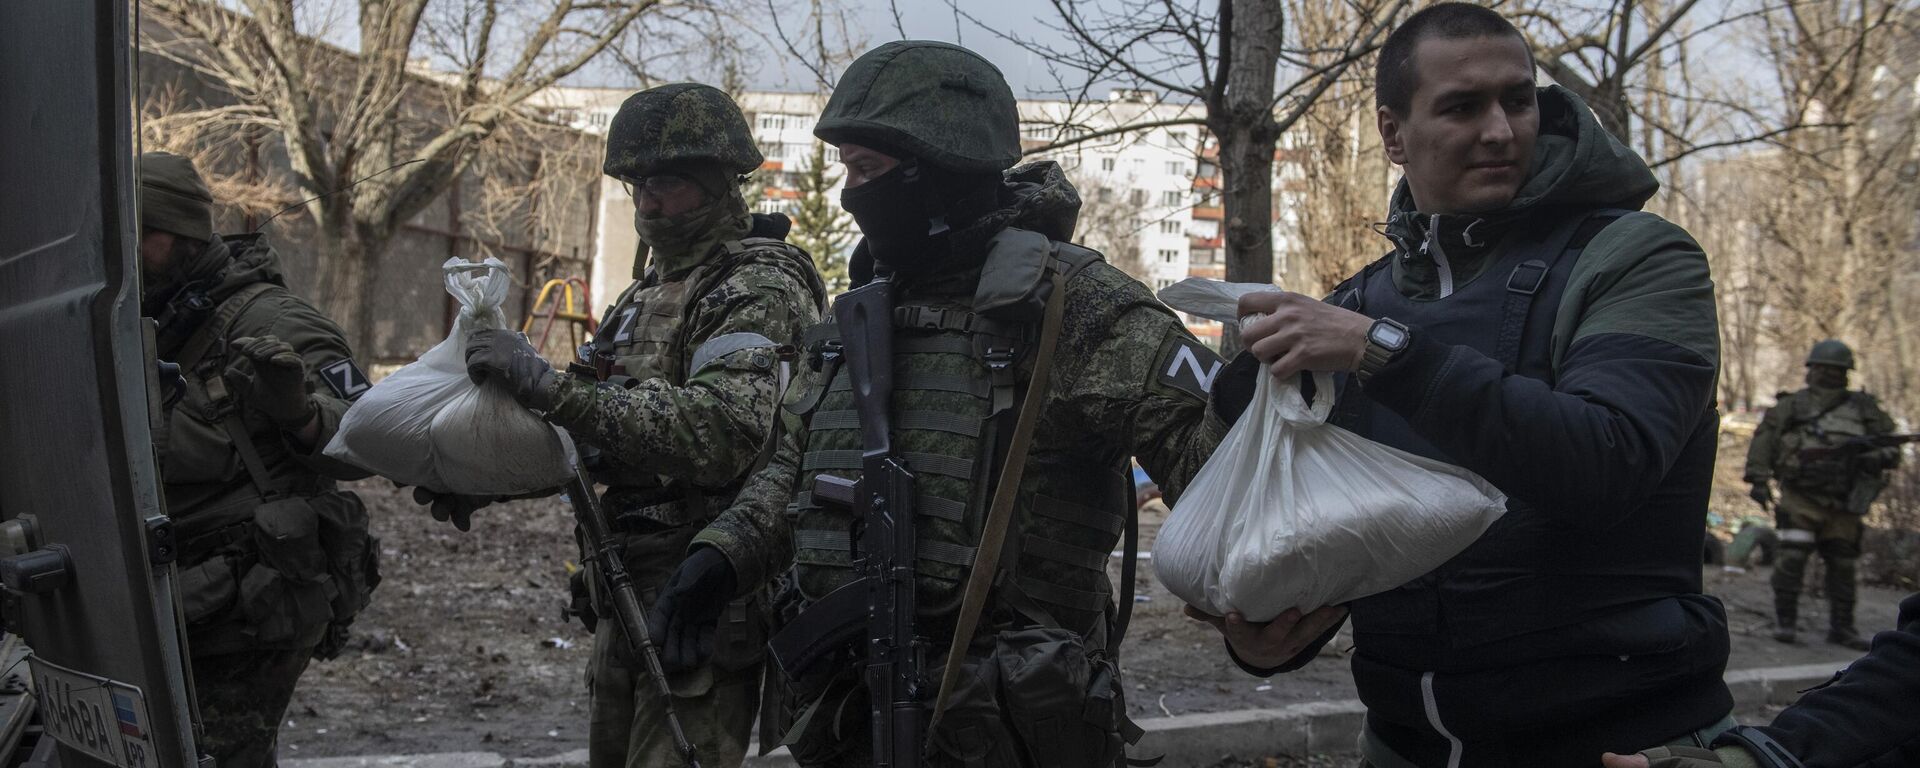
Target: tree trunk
{"x": 346, "y": 281}
{"x": 1244, "y": 125}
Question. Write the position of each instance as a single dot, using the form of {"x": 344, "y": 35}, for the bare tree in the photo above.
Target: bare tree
{"x": 1254, "y": 76}
{"x": 371, "y": 139}
{"x": 1109, "y": 223}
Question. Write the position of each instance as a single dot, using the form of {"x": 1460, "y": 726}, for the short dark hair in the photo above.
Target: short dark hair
{"x": 1394, "y": 79}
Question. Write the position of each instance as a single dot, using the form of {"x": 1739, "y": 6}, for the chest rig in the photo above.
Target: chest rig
{"x": 645, "y": 335}
{"x": 961, "y": 365}
{"x": 1811, "y": 425}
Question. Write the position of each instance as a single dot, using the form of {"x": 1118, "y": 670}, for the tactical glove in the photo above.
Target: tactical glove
{"x": 455, "y": 507}
{"x": 507, "y": 357}
{"x": 274, "y": 378}
{"x": 683, "y": 620}
{"x": 1762, "y": 494}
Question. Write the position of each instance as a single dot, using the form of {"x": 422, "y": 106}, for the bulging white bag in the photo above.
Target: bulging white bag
{"x": 429, "y": 425}
{"x": 1292, "y": 512}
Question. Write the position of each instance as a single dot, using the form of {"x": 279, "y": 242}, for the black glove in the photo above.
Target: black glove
{"x": 683, "y": 620}
{"x": 455, "y": 507}
{"x": 506, "y": 356}
{"x": 1762, "y": 494}
{"x": 580, "y": 602}
{"x": 1233, "y": 387}
{"x": 274, "y": 377}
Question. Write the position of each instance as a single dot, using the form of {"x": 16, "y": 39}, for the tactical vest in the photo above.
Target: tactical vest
{"x": 644, "y": 335}
{"x": 960, "y": 366}
{"x": 1528, "y": 572}
{"x": 1830, "y": 479}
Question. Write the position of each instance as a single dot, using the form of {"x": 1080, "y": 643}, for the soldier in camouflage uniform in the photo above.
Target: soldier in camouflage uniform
{"x": 674, "y": 400}
{"x": 1822, "y": 500}
{"x": 928, "y": 132}
{"x": 274, "y": 561}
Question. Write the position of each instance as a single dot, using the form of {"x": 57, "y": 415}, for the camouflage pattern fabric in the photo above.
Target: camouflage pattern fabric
{"x": 243, "y": 699}
{"x": 680, "y": 124}
{"x": 695, "y": 345}
{"x": 1136, "y": 384}
{"x": 936, "y": 101}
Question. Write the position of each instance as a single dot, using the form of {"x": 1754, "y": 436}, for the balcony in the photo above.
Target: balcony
{"x": 1208, "y": 213}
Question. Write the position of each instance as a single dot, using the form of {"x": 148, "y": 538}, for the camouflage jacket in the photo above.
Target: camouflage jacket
{"x": 696, "y": 374}
{"x": 1128, "y": 379}
{"x": 1804, "y": 419}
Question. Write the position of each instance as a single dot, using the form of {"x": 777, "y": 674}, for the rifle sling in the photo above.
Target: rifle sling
{"x": 216, "y": 329}
{"x": 986, "y": 561}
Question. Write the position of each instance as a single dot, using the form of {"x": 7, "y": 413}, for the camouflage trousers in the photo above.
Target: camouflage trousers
{"x": 629, "y": 729}
{"x": 1807, "y": 527}
{"x": 243, "y": 699}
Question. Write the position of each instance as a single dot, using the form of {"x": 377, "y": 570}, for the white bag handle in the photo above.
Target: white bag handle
{"x": 1289, "y": 402}
{"x": 481, "y": 289}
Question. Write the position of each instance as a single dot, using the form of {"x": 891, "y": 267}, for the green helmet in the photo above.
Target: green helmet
{"x": 1831, "y": 352}
{"x": 939, "y": 102}
{"x": 674, "y": 126}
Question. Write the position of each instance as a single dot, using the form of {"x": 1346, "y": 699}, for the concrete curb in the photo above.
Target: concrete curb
{"x": 1197, "y": 739}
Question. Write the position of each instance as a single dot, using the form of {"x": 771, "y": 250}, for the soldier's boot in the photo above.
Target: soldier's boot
{"x": 1840, "y": 594}
{"x": 1788, "y": 572}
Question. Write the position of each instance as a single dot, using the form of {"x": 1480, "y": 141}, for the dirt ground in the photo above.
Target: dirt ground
{"x": 464, "y": 648}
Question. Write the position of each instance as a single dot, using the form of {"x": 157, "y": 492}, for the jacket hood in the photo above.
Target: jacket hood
{"x": 243, "y": 261}
{"x": 1576, "y": 165}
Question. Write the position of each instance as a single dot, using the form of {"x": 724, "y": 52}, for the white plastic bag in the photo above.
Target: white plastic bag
{"x": 1292, "y": 512}
{"x": 429, "y": 425}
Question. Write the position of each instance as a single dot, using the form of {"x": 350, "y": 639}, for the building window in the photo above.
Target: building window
{"x": 1169, "y": 227}
{"x": 1176, "y": 168}
{"x": 833, "y": 154}
{"x": 1106, "y": 163}
{"x": 1139, "y": 197}
{"x": 773, "y": 122}
{"x": 1036, "y": 131}
{"x": 774, "y": 151}
{"x": 1170, "y": 197}
{"x": 1169, "y": 255}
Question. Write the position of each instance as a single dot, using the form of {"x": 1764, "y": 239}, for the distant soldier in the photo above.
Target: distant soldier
{"x": 274, "y": 561}
{"x": 674, "y": 402}
{"x": 1828, "y": 477}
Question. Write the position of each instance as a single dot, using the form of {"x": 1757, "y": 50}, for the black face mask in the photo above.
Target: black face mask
{"x": 903, "y": 220}
{"x": 1826, "y": 377}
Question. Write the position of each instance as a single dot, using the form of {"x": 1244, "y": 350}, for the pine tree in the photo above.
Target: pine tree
{"x": 819, "y": 225}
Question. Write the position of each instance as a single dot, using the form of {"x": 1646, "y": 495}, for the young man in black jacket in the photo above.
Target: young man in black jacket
{"x": 1533, "y": 326}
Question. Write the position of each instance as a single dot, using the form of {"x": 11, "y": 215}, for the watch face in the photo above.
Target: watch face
{"x": 1388, "y": 336}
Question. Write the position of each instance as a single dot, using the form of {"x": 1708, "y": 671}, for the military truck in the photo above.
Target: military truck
{"x": 94, "y": 671}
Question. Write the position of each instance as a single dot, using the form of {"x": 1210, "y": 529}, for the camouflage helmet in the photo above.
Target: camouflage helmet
{"x": 678, "y": 125}
{"x": 1831, "y": 352}
{"x": 939, "y": 102}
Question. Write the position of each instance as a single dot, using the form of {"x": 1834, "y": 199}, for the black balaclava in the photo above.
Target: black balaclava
{"x": 909, "y": 214}
{"x": 1823, "y": 379}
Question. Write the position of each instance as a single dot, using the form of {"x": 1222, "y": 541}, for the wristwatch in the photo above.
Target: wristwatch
{"x": 1385, "y": 338}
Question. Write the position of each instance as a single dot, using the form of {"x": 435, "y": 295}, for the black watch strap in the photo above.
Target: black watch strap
{"x": 1378, "y": 355}
{"x": 1765, "y": 750}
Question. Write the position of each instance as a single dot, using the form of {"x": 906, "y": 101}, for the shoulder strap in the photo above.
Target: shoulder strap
{"x": 993, "y": 533}
{"x": 216, "y": 327}
{"x": 1525, "y": 281}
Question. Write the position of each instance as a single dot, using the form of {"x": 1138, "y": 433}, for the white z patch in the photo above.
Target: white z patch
{"x": 625, "y": 324}
{"x": 345, "y": 378}
{"x": 1191, "y": 367}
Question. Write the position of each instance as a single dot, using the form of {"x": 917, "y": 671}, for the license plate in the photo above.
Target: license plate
{"x": 103, "y": 718}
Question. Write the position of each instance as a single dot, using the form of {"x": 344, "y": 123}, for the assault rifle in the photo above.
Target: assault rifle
{"x": 1855, "y": 445}
{"x": 881, "y": 601}
{"x": 605, "y": 552}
